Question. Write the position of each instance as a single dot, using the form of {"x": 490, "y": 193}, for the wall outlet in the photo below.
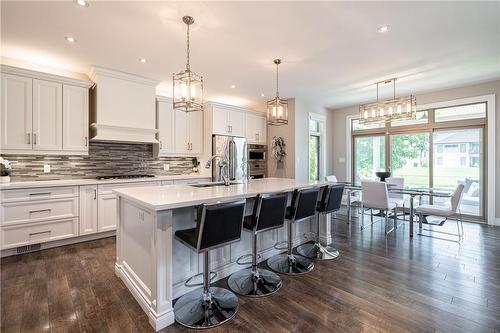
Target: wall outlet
{"x": 166, "y": 167}
{"x": 46, "y": 168}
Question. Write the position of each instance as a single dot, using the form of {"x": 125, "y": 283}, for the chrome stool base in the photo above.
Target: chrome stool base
{"x": 196, "y": 310}
{"x": 290, "y": 264}
{"x": 317, "y": 251}
{"x": 247, "y": 283}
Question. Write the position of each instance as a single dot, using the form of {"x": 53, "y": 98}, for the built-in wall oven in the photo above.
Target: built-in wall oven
{"x": 257, "y": 163}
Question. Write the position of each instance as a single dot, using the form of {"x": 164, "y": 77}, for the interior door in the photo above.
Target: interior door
{"x": 16, "y": 112}
{"x": 47, "y": 115}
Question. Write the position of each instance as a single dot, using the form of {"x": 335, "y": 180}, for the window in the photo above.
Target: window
{"x": 422, "y": 117}
{"x": 462, "y": 112}
{"x": 463, "y": 161}
{"x": 357, "y": 126}
{"x": 463, "y": 148}
{"x": 314, "y": 157}
{"x": 409, "y": 158}
{"x": 369, "y": 157}
{"x": 315, "y": 161}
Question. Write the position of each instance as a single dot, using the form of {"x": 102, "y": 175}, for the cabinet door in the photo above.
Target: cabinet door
{"x": 220, "y": 121}
{"x": 261, "y": 124}
{"x": 237, "y": 123}
{"x": 75, "y": 118}
{"x": 88, "y": 209}
{"x": 47, "y": 115}
{"x": 16, "y": 112}
{"x": 181, "y": 132}
{"x": 195, "y": 124}
{"x": 166, "y": 130}
{"x": 107, "y": 214}
{"x": 251, "y": 128}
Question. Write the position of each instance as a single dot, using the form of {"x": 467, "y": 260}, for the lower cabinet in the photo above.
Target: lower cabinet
{"x": 107, "y": 217}
{"x": 88, "y": 209}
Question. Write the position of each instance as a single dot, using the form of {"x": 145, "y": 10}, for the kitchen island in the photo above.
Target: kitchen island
{"x": 154, "y": 265}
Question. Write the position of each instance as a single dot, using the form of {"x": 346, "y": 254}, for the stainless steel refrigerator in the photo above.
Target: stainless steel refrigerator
{"x": 234, "y": 150}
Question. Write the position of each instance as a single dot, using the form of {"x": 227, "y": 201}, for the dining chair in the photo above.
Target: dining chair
{"x": 447, "y": 211}
{"x": 376, "y": 196}
{"x": 399, "y": 198}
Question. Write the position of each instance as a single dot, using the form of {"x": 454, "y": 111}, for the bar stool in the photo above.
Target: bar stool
{"x": 217, "y": 225}
{"x": 330, "y": 202}
{"x": 303, "y": 206}
{"x": 268, "y": 214}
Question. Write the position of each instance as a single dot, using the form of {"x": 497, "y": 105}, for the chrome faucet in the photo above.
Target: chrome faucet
{"x": 246, "y": 174}
{"x": 223, "y": 164}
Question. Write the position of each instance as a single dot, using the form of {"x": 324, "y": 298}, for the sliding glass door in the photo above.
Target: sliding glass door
{"x": 410, "y": 158}
{"x": 369, "y": 156}
{"x": 458, "y": 159}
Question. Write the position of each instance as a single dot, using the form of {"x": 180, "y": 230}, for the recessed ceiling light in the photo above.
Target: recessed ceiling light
{"x": 143, "y": 60}
{"x": 70, "y": 39}
{"x": 262, "y": 95}
{"x": 83, "y": 3}
{"x": 233, "y": 86}
{"x": 383, "y": 29}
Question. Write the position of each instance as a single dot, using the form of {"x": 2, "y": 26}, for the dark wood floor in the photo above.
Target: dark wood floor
{"x": 378, "y": 284}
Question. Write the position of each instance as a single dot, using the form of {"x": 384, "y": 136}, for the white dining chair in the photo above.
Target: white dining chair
{"x": 376, "y": 196}
{"x": 399, "y": 198}
{"x": 447, "y": 211}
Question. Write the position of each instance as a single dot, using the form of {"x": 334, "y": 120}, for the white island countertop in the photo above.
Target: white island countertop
{"x": 178, "y": 196}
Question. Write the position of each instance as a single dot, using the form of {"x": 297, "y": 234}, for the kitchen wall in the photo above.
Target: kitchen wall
{"x": 104, "y": 158}
{"x": 337, "y": 124}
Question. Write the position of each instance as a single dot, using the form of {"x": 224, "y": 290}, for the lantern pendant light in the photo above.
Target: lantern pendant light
{"x": 187, "y": 85}
{"x": 277, "y": 108}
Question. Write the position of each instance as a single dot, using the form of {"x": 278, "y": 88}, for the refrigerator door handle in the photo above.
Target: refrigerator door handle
{"x": 232, "y": 160}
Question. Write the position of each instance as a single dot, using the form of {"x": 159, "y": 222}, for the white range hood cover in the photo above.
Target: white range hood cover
{"x": 123, "y": 107}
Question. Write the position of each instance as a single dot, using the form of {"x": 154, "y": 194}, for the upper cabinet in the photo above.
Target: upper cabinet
{"x": 179, "y": 132}
{"x": 256, "y": 128}
{"x": 43, "y": 113}
{"x": 228, "y": 120}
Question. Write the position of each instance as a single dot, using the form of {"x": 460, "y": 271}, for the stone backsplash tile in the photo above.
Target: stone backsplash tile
{"x": 105, "y": 158}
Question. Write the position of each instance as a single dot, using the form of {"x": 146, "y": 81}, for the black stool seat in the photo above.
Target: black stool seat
{"x": 217, "y": 225}
{"x": 330, "y": 201}
{"x": 187, "y": 236}
{"x": 248, "y": 222}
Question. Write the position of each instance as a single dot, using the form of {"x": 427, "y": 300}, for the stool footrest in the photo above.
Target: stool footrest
{"x": 283, "y": 245}
{"x": 190, "y": 285}
{"x": 246, "y": 257}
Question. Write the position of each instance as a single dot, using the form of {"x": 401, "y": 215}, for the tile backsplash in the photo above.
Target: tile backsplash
{"x": 105, "y": 158}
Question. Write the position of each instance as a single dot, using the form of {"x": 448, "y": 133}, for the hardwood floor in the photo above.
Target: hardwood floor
{"x": 377, "y": 284}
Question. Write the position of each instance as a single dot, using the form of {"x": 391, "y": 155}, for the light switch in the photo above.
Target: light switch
{"x": 166, "y": 167}
{"x": 46, "y": 168}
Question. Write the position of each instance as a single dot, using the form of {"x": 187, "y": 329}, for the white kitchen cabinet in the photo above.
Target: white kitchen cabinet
{"x": 16, "y": 112}
{"x": 107, "y": 218}
{"x": 228, "y": 121}
{"x": 256, "y": 128}
{"x": 188, "y": 133}
{"x": 47, "y": 115}
{"x": 88, "y": 209}
{"x": 75, "y": 118}
{"x": 165, "y": 124}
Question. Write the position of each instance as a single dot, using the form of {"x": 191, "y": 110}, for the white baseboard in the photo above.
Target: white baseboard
{"x": 62, "y": 242}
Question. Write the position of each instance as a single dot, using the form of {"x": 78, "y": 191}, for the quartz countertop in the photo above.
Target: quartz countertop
{"x": 91, "y": 181}
{"x": 178, "y": 196}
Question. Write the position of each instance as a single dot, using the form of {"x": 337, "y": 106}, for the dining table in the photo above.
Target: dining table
{"x": 411, "y": 192}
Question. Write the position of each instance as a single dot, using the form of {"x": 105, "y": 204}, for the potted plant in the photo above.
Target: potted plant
{"x": 195, "y": 163}
{"x": 278, "y": 145}
{"x": 5, "y": 170}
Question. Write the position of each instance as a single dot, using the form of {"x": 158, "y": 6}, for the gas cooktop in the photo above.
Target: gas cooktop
{"x": 123, "y": 177}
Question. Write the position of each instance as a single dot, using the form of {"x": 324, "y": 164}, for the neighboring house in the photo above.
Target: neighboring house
{"x": 457, "y": 149}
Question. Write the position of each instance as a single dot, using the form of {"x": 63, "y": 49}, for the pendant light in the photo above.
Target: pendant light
{"x": 277, "y": 108}
{"x": 391, "y": 109}
{"x": 187, "y": 85}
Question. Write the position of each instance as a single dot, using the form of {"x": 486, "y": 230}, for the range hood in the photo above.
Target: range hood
{"x": 122, "y": 107}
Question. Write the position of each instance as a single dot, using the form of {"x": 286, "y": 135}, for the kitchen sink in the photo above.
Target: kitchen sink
{"x": 213, "y": 184}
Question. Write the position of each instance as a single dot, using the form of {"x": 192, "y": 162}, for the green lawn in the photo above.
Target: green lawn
{"x": 443, "y": 177}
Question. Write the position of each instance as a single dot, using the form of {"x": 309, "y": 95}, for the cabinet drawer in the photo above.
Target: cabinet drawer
{"x": 42, "y": 193}
{"x": 191, "y": 181}
{"x": 108, "y": 188}
{"x": 20, "y": 212}
{"x": 32, "y": 233}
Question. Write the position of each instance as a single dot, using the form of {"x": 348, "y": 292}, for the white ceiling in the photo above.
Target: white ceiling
{"x": 331, "y": 51}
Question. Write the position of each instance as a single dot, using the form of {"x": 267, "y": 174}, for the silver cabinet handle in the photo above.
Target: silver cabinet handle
{"x": 40, "y": 210}
{"x": 41, "y": 193}
{"x": 95, "y": 194}
{"x": 29, "y": 138}
{"x": 39, "y": 232}
{"x": 34, "y": 138}
{"x": 86, "y": 141}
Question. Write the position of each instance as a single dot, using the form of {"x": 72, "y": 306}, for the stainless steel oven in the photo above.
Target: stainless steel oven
{"x": 257, "y": 170}
{"x": 257, "y": 163}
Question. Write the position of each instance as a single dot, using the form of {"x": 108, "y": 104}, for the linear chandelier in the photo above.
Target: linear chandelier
{"x": 187, "y": 85}
{"x": 277, "y": 108}
{"x": 391, "y": 109}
